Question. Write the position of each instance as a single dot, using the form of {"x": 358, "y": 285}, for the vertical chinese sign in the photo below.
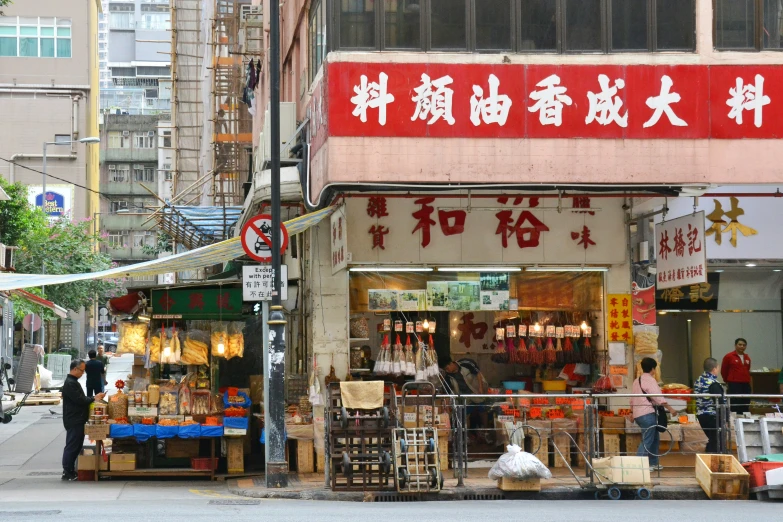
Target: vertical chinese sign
{"x": 339, "y": 240}
{"x": 681, "y": 252}
{"x": 619, "y": 322}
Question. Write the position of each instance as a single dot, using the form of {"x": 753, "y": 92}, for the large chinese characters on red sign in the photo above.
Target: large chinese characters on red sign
{"x": 681, "y": 252}
{"x": 548, "y": 101}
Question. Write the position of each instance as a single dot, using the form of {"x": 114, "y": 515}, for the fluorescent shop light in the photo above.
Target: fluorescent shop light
{"x": 566, "y": 269}
{"x": 750, "y": 265}
{"x": 479, "y": 269}
{"x": 389, "y": 269}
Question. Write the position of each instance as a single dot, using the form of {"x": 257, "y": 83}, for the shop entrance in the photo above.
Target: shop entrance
{"x": 684, "y": 342}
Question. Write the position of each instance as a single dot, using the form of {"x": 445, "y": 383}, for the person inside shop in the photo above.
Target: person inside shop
{"x": 96, "y": 374}
{"x": 645, "y": 414}
{"x": 707, "y": 383}
{"x": 76, "y": 411}
{"x": 735, "y": 370}
{"x": 464, "y": 377}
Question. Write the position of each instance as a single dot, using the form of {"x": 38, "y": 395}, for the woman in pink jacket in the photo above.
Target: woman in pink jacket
{"x": 644, "y": 412}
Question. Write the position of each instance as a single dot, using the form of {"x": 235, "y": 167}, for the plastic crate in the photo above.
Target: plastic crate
{"x": 204, "y": 463}
{"x": 758, "y": 471}
{"x": 85, "y": 475}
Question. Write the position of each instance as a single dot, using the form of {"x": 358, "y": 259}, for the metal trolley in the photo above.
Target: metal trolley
{"x": 416, "y": 456}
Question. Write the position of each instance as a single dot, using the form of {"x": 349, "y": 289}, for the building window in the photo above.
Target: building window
{"x": 35, "y": 37}
{"x": 117, "y": 239}
{"x": 317, "y": 36}
{"x": 402, "y": 23}
{"x": 120, "y": 20}
{"x": 143, "y": 174}
{"x": 144, "y": 140}
{"x": 448, "y": 24}
{"x": 167, "y": 171}
{"x": 748, "y": 25}
{"x": 118, "y": 205}
{"x": 119, "y": 140}
{"x": 142, "y": 239}
{"x": 357, "y": 24}
{"x": 166, "y": 139}
{"x": 119, "y": 173}
{"x": 561, "y": 26}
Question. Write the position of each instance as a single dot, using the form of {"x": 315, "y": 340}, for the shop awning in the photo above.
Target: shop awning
{"x": 40, "y": 301}
{"x": 200, "y": 257}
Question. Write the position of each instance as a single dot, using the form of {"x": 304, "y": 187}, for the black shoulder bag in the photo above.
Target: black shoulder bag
{"x": 660, "y": 412}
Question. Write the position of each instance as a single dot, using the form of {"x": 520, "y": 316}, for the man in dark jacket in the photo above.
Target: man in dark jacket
{"x": 76, "y": 411}
{"x": 96, "y": 373}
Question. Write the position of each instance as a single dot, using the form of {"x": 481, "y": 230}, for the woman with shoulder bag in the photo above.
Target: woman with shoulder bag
{"x": 646, "y": 411}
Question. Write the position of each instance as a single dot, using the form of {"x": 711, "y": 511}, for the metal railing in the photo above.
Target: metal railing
{"x": 586, "y": 431}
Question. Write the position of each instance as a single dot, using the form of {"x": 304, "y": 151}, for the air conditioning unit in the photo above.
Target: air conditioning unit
{"x": 287, "y": 130}
{"x": 112, "y": 167}
{"x": 125, "y": 134}
{"x": 151, "y": 134}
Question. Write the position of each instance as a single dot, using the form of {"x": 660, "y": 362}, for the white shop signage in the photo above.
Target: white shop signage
{"x": 736, "y": 227}
{"x": 681, "y": 253}
{"x": 395, "y": 229}
{"x": 338, "y": 235}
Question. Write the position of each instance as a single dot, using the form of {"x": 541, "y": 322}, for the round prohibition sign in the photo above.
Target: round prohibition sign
{"x": 257, "y": 238}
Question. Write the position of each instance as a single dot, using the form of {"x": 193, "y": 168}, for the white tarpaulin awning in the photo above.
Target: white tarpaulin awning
{"x": 200, "y": 257}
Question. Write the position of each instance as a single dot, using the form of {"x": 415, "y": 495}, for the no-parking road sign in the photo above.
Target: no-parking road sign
{"x": 257, "y": 238}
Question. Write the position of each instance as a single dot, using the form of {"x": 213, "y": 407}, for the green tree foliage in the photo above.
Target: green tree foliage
{"x": 4, "y": 3}
{"x": 67, "y": 247}
{"x": 17, "y": 216}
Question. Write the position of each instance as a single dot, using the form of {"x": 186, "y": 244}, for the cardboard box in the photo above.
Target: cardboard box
{"x": 257, "y": 389}
{"x": 512, "y": 484}
{"x": 304, "y": 456}
{"x": 775, "y": 477}
{"x": 235, "y": 455}
{"x": 122, "y": 461}
{"x": 613, "y": 425}
{"x": 97, "y": 431}
{"x": 624, "y": 470}
{"x": 87, "y": 463}
{"x": 182, "y": 449}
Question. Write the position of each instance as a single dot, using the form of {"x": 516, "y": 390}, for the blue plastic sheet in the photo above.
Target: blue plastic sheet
{"x": 120, "y": 431}
{"x": 262, "y": 440}
{"x": 190, "y": 432}
{"x": 211, "y": 431}
{"x": 239, "y": 423}
{"x": 144, "y": 432}
{"x": 166, "y": 432}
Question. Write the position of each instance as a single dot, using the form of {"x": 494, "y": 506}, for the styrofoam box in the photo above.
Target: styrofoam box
{"x": 775, "y": 477}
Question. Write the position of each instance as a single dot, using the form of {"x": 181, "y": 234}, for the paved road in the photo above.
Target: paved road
{"x": 146, "y": 502}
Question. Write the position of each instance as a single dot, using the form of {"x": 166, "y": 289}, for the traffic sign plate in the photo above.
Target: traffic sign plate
{"x": 257, "y": 238}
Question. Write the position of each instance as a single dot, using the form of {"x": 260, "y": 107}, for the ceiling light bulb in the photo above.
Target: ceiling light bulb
{"x": 426, "y": 324}
{"x": 221, "y": 348}
{"x": 750, "y": 265}
{"x": 584, "y": 325}
{"x": 537, "y": 327}
{"x": 166, "y": 351}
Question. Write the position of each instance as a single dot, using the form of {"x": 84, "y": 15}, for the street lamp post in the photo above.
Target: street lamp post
{"x": 88, "y": 141}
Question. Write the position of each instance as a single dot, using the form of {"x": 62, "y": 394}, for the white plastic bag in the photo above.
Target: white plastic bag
{"x": 46, "y": 377}
{"x": 519, "y": 465}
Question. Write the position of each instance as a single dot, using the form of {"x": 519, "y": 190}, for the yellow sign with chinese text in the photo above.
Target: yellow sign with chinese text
{"x": 619, "y": 325}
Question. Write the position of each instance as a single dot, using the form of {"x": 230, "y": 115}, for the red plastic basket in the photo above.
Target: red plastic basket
{"x": 204, "y": 463}
{"x": 758, "y": 472}
{"x": 85, "y": 475}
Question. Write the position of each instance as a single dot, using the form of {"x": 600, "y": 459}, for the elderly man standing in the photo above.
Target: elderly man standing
{"x": 76, "y": 411}
{"x": 706, "y": 412}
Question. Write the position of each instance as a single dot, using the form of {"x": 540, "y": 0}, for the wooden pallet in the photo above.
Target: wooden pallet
{"x": 40, "y": 399}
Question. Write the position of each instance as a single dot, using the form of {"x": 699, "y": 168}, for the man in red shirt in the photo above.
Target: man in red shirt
{"x": 735, "y": 371}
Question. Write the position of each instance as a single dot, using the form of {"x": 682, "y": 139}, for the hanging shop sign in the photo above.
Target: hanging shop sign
{"x": 681, "y": 253}
{"x": 514, "y": 229}
{"x": 257, "y": 238}
{"x": 698, "y": 296}
{"x": 737, "y": 227}
{"x": 258, "y": 282}
{"x": 197, "y": 303}
{"x": 339, "y": 240}
{"x": 554, "y": 101}
{"x": 619, "y": 322}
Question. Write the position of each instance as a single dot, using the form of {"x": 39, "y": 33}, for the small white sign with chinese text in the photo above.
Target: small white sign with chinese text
{"x": 258, "y": 282}
{"x": 339, "y": 240}
{"x": 681, "y": 251}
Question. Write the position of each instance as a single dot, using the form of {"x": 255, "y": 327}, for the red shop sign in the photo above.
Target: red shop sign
{"x": 550, "y": 101}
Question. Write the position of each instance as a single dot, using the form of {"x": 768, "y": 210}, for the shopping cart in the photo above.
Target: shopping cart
{"x": 416, "y": 457}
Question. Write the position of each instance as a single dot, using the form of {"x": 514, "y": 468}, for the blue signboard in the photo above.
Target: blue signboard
{"x": 55, "y": 203}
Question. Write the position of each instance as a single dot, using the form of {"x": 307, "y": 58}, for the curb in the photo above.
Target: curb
{"x": 462, "y": 494}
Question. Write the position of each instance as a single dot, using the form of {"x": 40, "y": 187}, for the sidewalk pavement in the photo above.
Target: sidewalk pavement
{"x": 675, "y": 484}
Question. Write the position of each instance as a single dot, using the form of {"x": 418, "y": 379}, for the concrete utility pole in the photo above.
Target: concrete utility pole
{"x": 276, "y": 466}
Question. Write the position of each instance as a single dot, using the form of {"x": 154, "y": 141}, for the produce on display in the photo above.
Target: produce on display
{"x": 189, "y": 422}
{"x": 133, "y": 338}
{"x": 218, "y": 338}
{"x": 410, "y": 358}
{"x": 195, "y": 350}
{"x": 155, "y": 348}
{"x": 236, "y": 340}
{"x": 168, "y": 402}
{"x": 645, "y": 340}
{"x": 168, "y": 422}
{"x": 200, "y": 402}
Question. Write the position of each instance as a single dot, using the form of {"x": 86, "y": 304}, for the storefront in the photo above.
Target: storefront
{"x": 742, "y": 294}
{"x": 516, "y": 283}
